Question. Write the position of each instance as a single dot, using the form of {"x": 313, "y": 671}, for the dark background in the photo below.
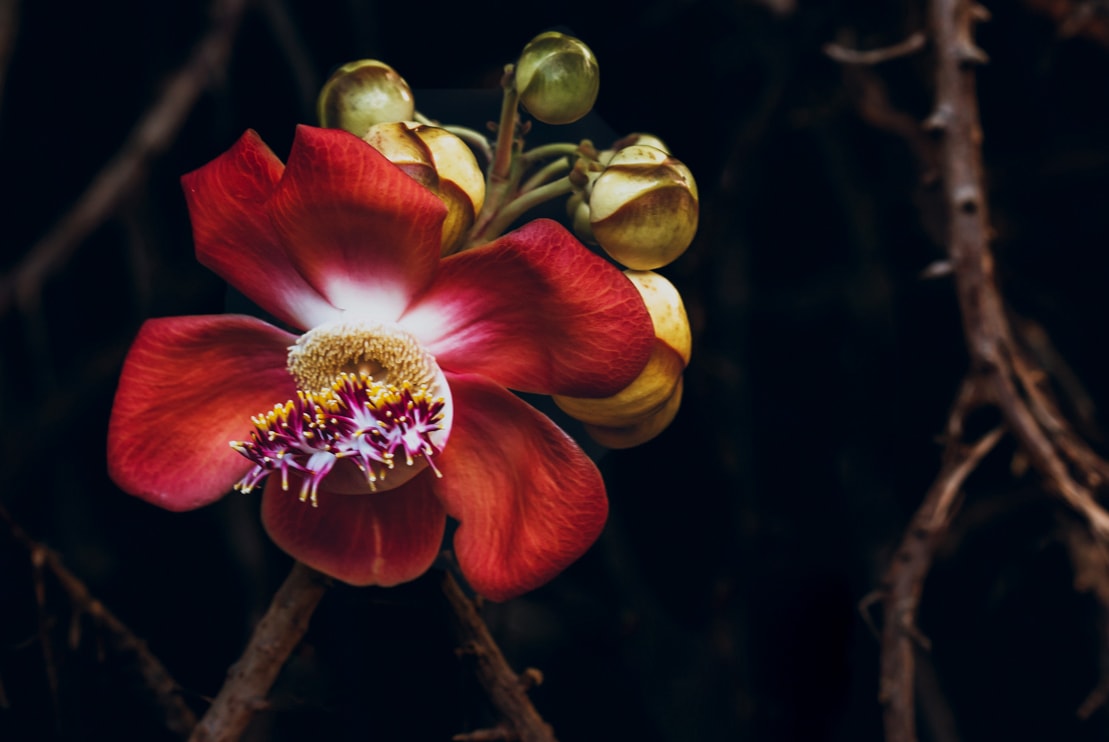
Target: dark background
{"x": 721, "y": 603}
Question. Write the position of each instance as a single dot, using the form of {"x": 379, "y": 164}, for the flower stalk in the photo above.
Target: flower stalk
{"x": 519, "y": 206}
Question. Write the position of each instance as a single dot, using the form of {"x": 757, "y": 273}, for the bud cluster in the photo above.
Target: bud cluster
{"x": 635, "y": 201}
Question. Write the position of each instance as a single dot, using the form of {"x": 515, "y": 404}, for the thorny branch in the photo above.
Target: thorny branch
{"x": 1002, "y": 371}
{"x": 152, "y": 135}
{"x": 1016, "y": 383}
{"x": 179, "y": 718}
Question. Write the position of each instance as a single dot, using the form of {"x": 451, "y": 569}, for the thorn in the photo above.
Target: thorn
{"x": 971, "y": 54}
{"x": 531, "y": 678}
{"x": 938, "y": 269}
{"x": 915, "y": 634}
{"x": 938, "y": 121}
{"x": 874, "y": 596}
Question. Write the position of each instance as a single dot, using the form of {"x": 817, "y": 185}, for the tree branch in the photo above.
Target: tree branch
{"x": 276, "y": 636}
{"x": 179, "y": 718}
{"x": 151, "y": 136}
{"x": 904, "y": 580}
{"x": 9, "y": 22}
{"x": 506, "y": 689}
{"x": 1014, "y": 379}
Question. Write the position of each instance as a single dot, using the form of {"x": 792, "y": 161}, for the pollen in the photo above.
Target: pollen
{"x": 382, "y": 351}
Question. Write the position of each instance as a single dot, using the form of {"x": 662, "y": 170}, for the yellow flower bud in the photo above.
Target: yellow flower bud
{"x": 644, "y": 207}
{"x": 641, "y": 432}
{"x": 363, "y": 93}
{"x": 605, "y": 156}
{"x": 641, "y": 407}
{"x": 443, "y": 163}
{"x": 557, "y": 78}
{"x": 644, "y": 396}
{"x": 667, "y": 311}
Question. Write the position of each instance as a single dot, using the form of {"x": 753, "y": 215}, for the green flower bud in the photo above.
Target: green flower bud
{"x": 644, "y": 207}
{"x": 444, "y": 164}
{"x": 363, "y": 93}
{"x": 557, "y": 78}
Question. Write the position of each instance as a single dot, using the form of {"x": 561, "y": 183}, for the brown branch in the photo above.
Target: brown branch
{"x": 151, "y": 136}
{"x": 506, "y": 689}
{"x": 9, "y": 22}
{"x": 1086, "y": 18}
{"x": 1002, "y": 372}
{"x": 904, "y": 579}
{"x": 1015, "y": 379}
{"x": 286, "y": 33}
{"x": 495, "y": 734}
{"x": 1090, "y": 559}
{"x": 845, "y": 55}
{"x": 179, "y": 718}
{"x": 274, "y": 639}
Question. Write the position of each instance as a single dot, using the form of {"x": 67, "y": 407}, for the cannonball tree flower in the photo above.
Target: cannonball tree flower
{"x": 387, "y": 409}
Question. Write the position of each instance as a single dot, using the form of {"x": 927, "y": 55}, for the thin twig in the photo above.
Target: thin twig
{"x": 506, "y": 689}
{"x": 845, "y": 55}
{"x": 151, "y": 136}
{"x": 904, "y": 580}
{"x": 276, "y": 636}
{"x": 291, "y": 42}
{"x": 179, "y": 718}
{"x": 1090, "y": 559}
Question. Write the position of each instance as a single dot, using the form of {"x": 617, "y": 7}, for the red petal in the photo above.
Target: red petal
{"x": 382, "y": 538}
{"x": 528, "y": 500}
{"x": 538, "y": 312}
{"x": 234, "y": 236}
{"x": 190, "y": 386}
{"x": 365, "y": 234}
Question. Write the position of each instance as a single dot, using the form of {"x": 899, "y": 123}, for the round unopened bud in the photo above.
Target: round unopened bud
{"x": 644, "y": 207}
{"x": 363, "y": 93}
{"x": 557, "y": 78}
{"x": 646, "y": 398}
{"x": 443, "y": 163}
